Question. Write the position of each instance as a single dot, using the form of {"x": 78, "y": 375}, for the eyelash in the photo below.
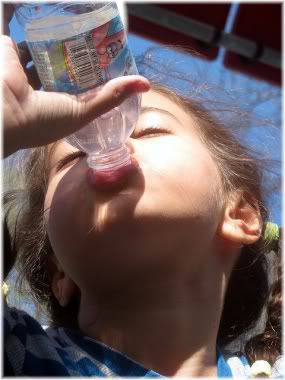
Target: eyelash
{"x": 69, "y": 158}
{"x": 151, "y": 132}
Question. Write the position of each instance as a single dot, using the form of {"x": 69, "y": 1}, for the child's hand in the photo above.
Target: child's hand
{"x": 33, "y": 118}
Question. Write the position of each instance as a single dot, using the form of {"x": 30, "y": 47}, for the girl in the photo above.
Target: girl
{"x": 148, "y": 272}
{"x": 151, "y": 271}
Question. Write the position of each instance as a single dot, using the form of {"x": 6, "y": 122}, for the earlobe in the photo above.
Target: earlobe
{"x": 63, "y": 287}
{"x": 241, "y": 222}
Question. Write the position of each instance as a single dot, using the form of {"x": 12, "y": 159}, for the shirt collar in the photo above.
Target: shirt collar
{"x": 223, "y": 368}
{"x": 123, "y": 366}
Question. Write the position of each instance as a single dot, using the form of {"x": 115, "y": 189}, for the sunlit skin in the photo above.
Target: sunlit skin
{"x": 150, "y": 254}
{"x": 146, "y": 254}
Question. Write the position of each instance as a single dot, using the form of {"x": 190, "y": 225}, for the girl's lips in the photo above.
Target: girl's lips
{"x": 110, "y": 179}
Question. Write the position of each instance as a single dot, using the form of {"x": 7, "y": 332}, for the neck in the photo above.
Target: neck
{"x": 169, "y": 327}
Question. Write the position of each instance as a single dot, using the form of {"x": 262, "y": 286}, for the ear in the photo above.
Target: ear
{"x": 63, "y": 287}
{"x": 242, "y": 222}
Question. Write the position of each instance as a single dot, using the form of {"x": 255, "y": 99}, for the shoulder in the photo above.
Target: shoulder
{"x": 29, "y": 350}
{"x": 240, "y": 367}
{"x": 238, "y": 363}
{"x": 20, "y": 323}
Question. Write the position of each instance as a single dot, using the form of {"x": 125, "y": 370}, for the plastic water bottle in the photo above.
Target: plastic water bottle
{"x": 78, "y": 46}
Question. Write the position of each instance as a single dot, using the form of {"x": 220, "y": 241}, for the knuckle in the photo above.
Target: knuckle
{"x": 117, "y": 93}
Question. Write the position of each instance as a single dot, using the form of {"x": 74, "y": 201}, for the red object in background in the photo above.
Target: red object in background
{"x": 212, "y": 14}
{"x": 262, "y": 24}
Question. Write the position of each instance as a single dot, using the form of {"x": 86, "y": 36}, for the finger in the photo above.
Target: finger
{"x": 8, "y": 14}
{"x": 111, "y": 95}
{"x": 11, "y": 56}
{"x": 56, "y": 115}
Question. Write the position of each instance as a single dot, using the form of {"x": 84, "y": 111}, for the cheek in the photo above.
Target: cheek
{"x": 182, "y": 201}
{"x": 69, "y": 213}
{"x": 83, "y": 224}
{"x": 182, "y": 171}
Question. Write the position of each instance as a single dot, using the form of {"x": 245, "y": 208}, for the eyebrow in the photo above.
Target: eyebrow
{"x": 160, "y": 110}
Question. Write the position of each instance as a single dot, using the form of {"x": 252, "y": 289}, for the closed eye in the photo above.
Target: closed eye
{"x": 68, "y": 159}
{"x": 150, "y": 132}
{"x": 143, "y": 133}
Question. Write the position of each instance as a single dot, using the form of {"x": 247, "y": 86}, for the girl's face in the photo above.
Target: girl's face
{"x": 161, "y": 219}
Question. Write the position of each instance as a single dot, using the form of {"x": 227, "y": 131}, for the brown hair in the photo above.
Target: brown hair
{"x": 248, "y": 290}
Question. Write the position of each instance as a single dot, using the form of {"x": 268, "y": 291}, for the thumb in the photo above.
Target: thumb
{"x": 112, "y": 94}
{"x": 57, "y": 115}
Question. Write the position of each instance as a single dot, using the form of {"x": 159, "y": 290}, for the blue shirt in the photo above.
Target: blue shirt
{"x": 31, "y": 350}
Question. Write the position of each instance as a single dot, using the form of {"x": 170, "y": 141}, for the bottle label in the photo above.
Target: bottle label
{"x": 83, "y": 61}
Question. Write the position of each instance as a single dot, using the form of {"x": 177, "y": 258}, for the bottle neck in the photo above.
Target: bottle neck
{"x": 110, "y": 161}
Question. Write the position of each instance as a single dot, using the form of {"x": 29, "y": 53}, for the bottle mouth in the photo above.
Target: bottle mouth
{"x": 110, "y": 161}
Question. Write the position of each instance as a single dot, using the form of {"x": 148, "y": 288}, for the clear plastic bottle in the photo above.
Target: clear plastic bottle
{"x": 78, "y": 46}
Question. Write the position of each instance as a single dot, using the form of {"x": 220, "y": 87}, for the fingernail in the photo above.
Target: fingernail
{"x": 143, "y": 85}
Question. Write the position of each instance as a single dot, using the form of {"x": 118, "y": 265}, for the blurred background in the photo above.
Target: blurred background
{"x": 226, "y": 53}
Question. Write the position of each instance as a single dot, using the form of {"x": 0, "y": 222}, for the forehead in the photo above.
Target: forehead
{"x": 154, "y": 98}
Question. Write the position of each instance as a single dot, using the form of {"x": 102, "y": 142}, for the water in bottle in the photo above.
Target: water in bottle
{"x": 77, "y": 47}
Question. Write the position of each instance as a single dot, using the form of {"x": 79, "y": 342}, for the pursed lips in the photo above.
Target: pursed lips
{"x": 112, "y": 179}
